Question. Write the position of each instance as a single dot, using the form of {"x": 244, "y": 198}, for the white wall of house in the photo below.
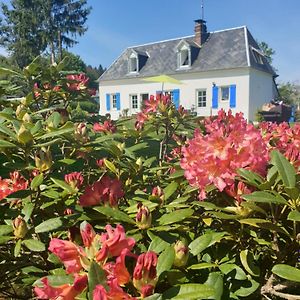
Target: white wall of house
{"x": 244, "y": 79}
{"x": 261, "y": 91}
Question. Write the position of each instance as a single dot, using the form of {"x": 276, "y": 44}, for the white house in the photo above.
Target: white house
{"x": 221, "y": 69}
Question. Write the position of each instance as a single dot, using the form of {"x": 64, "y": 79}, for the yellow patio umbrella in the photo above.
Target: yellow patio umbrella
{"x": 162, "y": 79}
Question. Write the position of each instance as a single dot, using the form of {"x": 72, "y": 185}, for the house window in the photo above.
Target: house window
{"x": 134, "y": 102}
{"x": 144, "y": 97}
{"x": 184, "y": 57}
{"x": 224, "y": 93}
{"x": 258, "y": 57}
{"x": 114, "y": 101}
{"x": 201, "y": 98}
{"x": 133, "y": 63}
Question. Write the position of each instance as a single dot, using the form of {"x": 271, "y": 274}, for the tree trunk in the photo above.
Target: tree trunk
{"x": 59, "y": 45}
{"x": 52, "y": 53}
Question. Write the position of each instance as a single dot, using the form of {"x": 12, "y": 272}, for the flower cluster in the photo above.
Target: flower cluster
{"x": 15, "y": 183}
{"x": 106, "y": 190}
{"x": 79, "y": 82}
{"x": 284, "y": 138}
{"x": 107, "y": 127}
{"x": 229, "y": 144}
{"x": 74, "y": 179}
{"x": 108, "y": 251}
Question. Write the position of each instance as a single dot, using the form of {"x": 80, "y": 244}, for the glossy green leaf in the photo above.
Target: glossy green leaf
{"x": 49, "y": 225}
{"x": 175, "y": 216}
{"x": 294, "y": 216}
{"x": 246, "y": 291}
{"x": 215, "y": 280}
{"x": 58, "y": 280}
{"x": 285, "y": 168}
{"x": 5, "y": 239}
{"x": 27, "y": 210}
{"x": 96, "y": 276}
{"x": 63, "y": 185}
{"x": 204, "y": 241}
{"x": 17, "y": 248}
{"x": 165, "y": 260}
{"x": 110, "y": 166}
{"x": 67, "y": 128}
{"x": 157, "y": 244}
{"x": 37, "y": 181}
{"x": 170, "y": 189}
{"x": 6, "y": 144}
{"x": 226, "y": 268}
{"x": 114, "y": 213}
{"x": 34, "y": 245}
{"x": 265, "y": 197}
{"x": 247, "y": 260}
{"x": 5, "y": 229}
{"x": 203, "y": 265}
{"x": 190, "y": 291}
{"x": 287, "y": 272}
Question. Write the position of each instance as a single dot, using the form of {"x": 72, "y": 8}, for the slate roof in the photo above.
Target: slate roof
{"x": 224, "y": 49}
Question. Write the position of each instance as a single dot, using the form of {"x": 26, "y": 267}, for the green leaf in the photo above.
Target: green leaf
{"x": 165, "y": 260}
{"x": 31, "y": 269}
{"x": 203, "y": 265}
{"x": 204, "y": 241}
{"x": 215, "y": 280}
{"x": 175, "y": 216}
{"x": 114, "y": 213}
{"x": 261, "y": 223}
{"x": 5, "y": 229}
{"x": 34, "y": 245}
{"x": 110, "y": 166}
{"x": 67, "y": 128}
{"x": 294, "y": 216}
{"x": 5, "y": 239}
{"x": 247, "y": 260}
{"x": 190, "y": 291}
{"x": 265, "y": 197}
{"x": 170, "y": 189}
{"x": 228, "y": 267}
{"x": 287, "y": 272}
{"x": 285, "y": 168}
{"x": 58, "y": 280}
{"x": 177, "y": 174}
{"x": 157, "y": 244}
{"x": 6, "y": 144}
{"x": 17, "y": 248}
{"x": 27, "y": 210}
{"x": 248, "y": 290}
{"x": 49, "y": 225}
{"x": 5, "y": 71}
{"x": 96, "y": 276}
{"x": 37, "y": 181}
{"x": 63, "y": 185}
{"x": 251, "y": 177}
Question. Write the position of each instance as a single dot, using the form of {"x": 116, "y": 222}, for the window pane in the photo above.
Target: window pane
{"x": 225, "y": 93}
{"x": 134, "y": 101}
{"x": 202, "y": 98}
{"x": 114, "y": 101}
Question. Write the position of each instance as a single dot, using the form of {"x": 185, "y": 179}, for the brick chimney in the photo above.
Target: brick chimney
{"x": 201, "y": 33}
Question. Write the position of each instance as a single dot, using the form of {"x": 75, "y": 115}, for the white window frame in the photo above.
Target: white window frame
{"x": 133, "y": 63}
{"x": 184, "y": 55}
{"x": 113, "y": 101}
{"x": 220, "y": 93}
{"x": 131, "y": 101}
{"x": 258, "y": 56}
{"x": 203, "y": 98}
{"x": 141, "y": 97}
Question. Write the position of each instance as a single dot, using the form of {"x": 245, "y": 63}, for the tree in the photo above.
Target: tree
{"x": 29, "y": 27}
{"x": 20, "y": 30}
{"x": 267, "y": 51}
{"x": 289, "y": 93}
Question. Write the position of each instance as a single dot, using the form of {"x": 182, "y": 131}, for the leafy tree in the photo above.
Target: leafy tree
{"x": 20, "y": 30}
{"x": 268, "y": 51}
{"x": 29, "y": 27}
{"x": 289, "y": 93}
{"x": 94, "y": 73}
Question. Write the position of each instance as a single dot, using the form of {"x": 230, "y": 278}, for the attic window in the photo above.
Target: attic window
{"x": 258, "y": 56}
{"x": 133, "y": 63}
{"x": 184, "y": 57}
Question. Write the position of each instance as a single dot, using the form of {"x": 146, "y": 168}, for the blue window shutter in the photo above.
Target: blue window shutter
{"x": 118, "y": 101}
{"x": 107, "y": 102}
{"x": 176, "y": 94}
{"x": 215, "y": 97}
{"x": 232, "y": 101}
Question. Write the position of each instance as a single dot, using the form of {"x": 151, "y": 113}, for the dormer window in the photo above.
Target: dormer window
{"x": 184, "y": 57}
{"x": 133, "y": 63}
{"x": 258, "y": 56}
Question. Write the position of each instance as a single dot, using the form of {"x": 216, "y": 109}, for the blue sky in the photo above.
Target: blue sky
{"x": 117, "y": 24}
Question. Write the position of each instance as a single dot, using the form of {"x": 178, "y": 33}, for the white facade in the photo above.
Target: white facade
{"x": 252, "y": 89}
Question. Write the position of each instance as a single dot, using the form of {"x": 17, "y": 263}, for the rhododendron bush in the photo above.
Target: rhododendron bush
{"x": 158, "y": 206}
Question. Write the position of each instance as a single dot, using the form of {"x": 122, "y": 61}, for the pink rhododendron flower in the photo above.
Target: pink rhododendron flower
{"x": 116, "y": 292}
{"x": 99, "y": 293}
{"x": 77, "y": 82}
{"x": 283, "y": 138}
{"x": 74, "y": 179}
{"x": 239, "y": 190}
{"x": 15, "y": 183}
{"x": 87, "y": 233}
{"x": 229, "y": 144}
{"x": 106, "y": 190}
{"x": 68, "y": 253}
{"x": 107, "y": 127}
{"x": 65, "y": 292}
{"x": 120, "y": 271}
{"x": 144, "y": 274}
{"x": 141, "y": 118}
{"x": 115, "y": 240}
